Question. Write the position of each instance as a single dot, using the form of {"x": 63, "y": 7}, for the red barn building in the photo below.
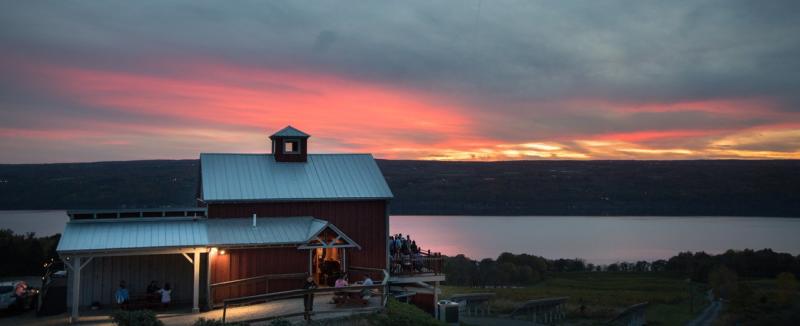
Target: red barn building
{"x": 264, "y": 222}
{"x": 345, "y": 191}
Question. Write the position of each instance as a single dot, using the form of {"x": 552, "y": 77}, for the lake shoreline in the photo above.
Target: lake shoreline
{"x": 596, "y": 239}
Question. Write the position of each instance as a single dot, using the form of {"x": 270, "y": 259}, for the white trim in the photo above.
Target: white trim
{"x": 131, "y": 252}
{"x": 326, "y": 246}
{"x": 86, "y": 262}
{"x": 195, "y": 282}
{"x": 187, "y": 257}
{"x": 339, "y": 233}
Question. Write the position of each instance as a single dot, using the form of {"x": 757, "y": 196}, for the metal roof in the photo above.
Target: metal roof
{"x": 161, "y": 233}
{"x": 268, "y": 231}
{"x": 258, "y": 177}
{"x": 290, "y": 131}
{"x": 132, "y": 234}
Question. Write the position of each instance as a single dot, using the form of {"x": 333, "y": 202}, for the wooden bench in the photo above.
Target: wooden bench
{"x": 141, "y": 301}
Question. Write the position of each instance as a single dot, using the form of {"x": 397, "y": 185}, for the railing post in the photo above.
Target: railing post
{"x": 224, "y": 311}
{"x": 308, "y": 304}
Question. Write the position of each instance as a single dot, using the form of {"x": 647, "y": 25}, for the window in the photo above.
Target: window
{"x": 291, "y": 147}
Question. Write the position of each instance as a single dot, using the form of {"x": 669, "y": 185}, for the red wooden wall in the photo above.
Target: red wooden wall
{"x": 424, "y": 301}
{"x": 363, "y": 221}
{"x": 243, "y": 263}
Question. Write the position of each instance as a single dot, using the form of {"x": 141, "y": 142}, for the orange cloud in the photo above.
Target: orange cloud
{"x": 210, "y": 106}
{"x": 638, "y": 136}
{"x": 360, "y": 114}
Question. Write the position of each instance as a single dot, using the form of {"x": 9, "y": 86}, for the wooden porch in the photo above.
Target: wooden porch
{"x": 182, "y": 315}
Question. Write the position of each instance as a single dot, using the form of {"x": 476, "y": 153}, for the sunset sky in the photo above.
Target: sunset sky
{"x": 449, "y": 80}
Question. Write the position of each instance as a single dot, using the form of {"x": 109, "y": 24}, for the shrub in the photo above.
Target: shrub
{"x": 724, "y": 282}
{"x": 787, "y": 287}
{"x": 135, "y": 318}
{"x": 398, "y": 313}
{"x": 280, "y": 322}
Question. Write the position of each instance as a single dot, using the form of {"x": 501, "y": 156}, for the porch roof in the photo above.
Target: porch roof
{"x": 138, "y": 234}
{"x": 268, "y": 231}
{"x": 133, "y": 234}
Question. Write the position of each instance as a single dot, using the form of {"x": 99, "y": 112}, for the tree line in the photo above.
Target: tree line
{"x": 577, "y": 188}
{"x": 25, "y": 254}
{"x": 525, "y": 269}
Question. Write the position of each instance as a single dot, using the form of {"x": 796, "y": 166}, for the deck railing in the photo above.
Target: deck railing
{"x": 383, "y": 287}
{"x": 262, "y": 278}
{"x": 416, "y": 264}
{"x": 546, "y": 311}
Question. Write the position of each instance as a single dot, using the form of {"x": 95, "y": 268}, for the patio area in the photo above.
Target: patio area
{"x": 323, "y": 309}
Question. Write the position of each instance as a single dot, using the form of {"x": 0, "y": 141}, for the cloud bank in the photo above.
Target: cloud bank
{"x": 446, "y": 80}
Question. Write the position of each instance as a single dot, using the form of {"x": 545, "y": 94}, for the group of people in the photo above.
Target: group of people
{"x": 406, "y": 255}
{"x": 399, "y": 245}
{"x": 155, "y": 294}
{"x": 341, "y": 282}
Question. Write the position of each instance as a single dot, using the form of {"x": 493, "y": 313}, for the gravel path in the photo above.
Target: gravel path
{"x": 708, "y": 316}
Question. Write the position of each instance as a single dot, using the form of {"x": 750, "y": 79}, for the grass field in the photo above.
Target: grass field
{"x": 605, "y": 295}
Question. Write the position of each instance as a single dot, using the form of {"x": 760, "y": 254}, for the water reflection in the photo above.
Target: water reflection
{"x": 597, "y": 239}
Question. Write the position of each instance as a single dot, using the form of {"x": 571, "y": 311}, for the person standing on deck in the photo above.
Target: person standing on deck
{"x": 366, "y": 293}
{"x": 166, "y": 295}
{"x": 122, "y": 296}
{"x": 308, "y": 303}
{"x": 152, "y": 292}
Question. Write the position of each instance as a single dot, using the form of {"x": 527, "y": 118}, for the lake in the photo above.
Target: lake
{"x": 597, "y": 239}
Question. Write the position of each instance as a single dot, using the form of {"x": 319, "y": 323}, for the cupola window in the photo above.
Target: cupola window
{"x": 291, "y": 147}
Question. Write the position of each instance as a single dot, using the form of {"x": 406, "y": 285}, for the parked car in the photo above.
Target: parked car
{"x": 17, "y": 295}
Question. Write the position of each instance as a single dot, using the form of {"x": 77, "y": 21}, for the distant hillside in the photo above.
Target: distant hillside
{"x": 735, "y": 188}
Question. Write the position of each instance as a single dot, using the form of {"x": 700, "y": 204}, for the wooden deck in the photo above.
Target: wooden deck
{"x": 183, "y": 316}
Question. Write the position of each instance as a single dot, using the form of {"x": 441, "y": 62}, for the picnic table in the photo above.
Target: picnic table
{"x": 348, "y": 297}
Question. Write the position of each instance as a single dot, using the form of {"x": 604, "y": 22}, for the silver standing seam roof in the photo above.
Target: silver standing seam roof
{"x": 132, "y": 234}
{"x": 159, "y": 233}
{"x": 272, "y": 231}
{"x": 258, "y": 177}
{"x": 290, "y": 131}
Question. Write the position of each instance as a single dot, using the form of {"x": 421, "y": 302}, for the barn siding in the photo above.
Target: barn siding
{"x": 100, "y": 278}
{"x": 243, "y": 263}
{"x": 424, "y": 301}
{"x": 363, "y": 221}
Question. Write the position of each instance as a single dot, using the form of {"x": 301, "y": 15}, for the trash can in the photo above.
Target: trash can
{"x": 448, "y": 311}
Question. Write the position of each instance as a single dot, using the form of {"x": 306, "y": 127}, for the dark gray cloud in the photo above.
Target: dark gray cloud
{"x": 497, "y": 51}
{"x": 510, "y": 62}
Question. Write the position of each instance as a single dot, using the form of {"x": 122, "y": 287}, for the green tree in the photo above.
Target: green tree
{"x": 461, "y": 270}
{"x": 487, "y": 270}
{"x": 786, "y": 288}
{"x": 723, "y": 282}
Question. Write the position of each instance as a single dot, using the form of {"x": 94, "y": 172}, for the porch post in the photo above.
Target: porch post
{"x": 436, "y": 299}
{"x": 76, "y": 288}
{"x": 209, "y": 298}
{"x": 344, "y": 259}
{"x": 196, "y": 287}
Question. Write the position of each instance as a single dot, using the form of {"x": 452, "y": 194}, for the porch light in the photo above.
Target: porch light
{"x": 222, "y": 252}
